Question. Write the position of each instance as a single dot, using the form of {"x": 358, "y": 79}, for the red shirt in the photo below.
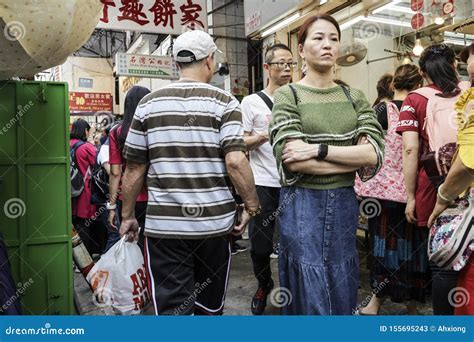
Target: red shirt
{"x": 115, "y": 158}
{"x": 412, "y": 118}
{"x": 85, "y": 157}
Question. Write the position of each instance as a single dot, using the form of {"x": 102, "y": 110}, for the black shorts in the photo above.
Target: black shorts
{"x": 188, "y": 276}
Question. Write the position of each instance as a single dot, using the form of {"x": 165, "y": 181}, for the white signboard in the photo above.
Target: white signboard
{"x": 253, "y": 21}
{"x": 157, "y": 16}
{"x": 145, "y": 66}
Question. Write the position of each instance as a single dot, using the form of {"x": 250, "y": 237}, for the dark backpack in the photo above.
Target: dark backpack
{"x": 77, "y": 178}
{"x": 99, "y": 181}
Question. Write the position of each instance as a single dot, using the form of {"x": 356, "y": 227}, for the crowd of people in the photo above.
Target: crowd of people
{"x": 189, "y": 168}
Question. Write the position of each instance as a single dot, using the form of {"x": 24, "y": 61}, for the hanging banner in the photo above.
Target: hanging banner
{"x": 417, "y": 21}
{"x": 157, "y": 16}
{"x": 128, "y": 64}
{"x": 90, "y": 102}
{"x": 416, "y": 5}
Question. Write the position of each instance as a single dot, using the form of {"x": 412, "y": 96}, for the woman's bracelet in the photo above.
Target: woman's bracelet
{"x": 442, "y": 197}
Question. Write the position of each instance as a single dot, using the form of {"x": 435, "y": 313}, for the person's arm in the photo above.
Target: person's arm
{"x": 320, "y": 167}
{"x": 106, "y": 167}
{"x": 136, "y": 155}
{"x": 254, "y": 141}
{"x": 459, "y": 178}
{"x": 410, "y": 152}
{"x": 238, "y": 168}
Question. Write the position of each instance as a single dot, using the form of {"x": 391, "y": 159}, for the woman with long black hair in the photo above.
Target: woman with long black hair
{"x": 437, "y": 64}
{"x": 117, "y": 138}
{"x": 84, "y": 214}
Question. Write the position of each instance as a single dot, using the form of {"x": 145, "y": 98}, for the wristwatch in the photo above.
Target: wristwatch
{"x": 322, "y": 152}
{"x": 253, "y": 213}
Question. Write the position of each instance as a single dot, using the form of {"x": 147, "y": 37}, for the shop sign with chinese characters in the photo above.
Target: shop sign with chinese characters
{"x": 157, "y": 16}
{"x": 80, "y": 102}
{"x": 145, "y": 66}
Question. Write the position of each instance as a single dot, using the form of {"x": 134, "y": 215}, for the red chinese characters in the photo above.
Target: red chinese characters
{"x": 190, "y": 14}
{"x": 105, "y": 10}
{"x": 163, "y": 11}
{"x": 132, "y": 10}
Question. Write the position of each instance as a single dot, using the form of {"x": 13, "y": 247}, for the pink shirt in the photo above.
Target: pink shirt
{"x": 85, "y": 157}
{"x": 115, "y": 158}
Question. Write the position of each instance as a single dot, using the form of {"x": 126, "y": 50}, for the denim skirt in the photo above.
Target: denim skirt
{"x": 318, "y": 261}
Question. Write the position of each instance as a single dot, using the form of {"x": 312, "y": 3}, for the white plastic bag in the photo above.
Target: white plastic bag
{"x": 118, "y": 279}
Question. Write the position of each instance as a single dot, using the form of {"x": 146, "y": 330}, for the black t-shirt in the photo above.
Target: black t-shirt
{"x": 381, "y": 112}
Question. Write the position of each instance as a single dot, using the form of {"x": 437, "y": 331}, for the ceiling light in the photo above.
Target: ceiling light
{"x": 322, "y": 2}
{"x": 351, "y": 22}
{"x": 439, "y": 20}
{"x": 387, "y": 21}
{"x": 418, "y": 48}
{"x": 456, "y": 42}
{"x": 281, "y": 24}
{"x": 386, "y": 7}
{"x": 401, "y": 9}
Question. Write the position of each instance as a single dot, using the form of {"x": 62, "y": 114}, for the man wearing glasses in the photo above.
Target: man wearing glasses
{"x": 256, "y": 115}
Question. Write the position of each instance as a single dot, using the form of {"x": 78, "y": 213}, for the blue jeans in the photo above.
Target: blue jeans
{"x": 318, "y": 261}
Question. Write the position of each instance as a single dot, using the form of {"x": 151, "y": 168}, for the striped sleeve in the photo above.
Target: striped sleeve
{"x": 136, "y": 145}
{"x": 231, "y": 133}
{"x": 285, "y": 124}
{"x": 368, "y": 125}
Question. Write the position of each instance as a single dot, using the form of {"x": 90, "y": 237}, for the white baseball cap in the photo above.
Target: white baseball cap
{"x": 198, "y": 42}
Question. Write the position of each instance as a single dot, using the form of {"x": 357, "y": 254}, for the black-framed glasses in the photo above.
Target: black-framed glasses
{"x": 283, "y": 65}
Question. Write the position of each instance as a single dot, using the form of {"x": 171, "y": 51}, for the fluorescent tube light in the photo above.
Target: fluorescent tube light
{"x": 281, "y": 24}
{"x": 386, "y": 7}
{"x": 387, "y": 21}
{"x": 351, "y": 22}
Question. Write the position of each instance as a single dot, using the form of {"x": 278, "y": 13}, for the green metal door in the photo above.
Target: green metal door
{"x": 35, "y": 193}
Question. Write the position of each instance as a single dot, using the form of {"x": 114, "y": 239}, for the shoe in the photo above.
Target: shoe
{"x": 276, "y": 251}
{"x": 236, "y": 248}
{"x": 259, "y": 300}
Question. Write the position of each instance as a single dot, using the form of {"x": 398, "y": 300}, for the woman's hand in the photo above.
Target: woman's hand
{"x": 410, "y": 211}
{"x": 111, "y": 219}
{"x": 298, "y": 150}
{"x": 438, "y": 209}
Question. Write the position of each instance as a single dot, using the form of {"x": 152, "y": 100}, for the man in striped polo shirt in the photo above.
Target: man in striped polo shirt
{"x": 190, "y": 137}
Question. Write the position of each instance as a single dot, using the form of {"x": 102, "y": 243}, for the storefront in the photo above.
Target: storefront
{"x": 377, "y": 36}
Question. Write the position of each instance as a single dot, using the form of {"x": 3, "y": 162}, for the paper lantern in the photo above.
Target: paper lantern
{"x": 38, "y": 34}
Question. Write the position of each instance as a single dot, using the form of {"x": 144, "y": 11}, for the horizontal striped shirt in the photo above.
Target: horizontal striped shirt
{"x": 184, "y": 131}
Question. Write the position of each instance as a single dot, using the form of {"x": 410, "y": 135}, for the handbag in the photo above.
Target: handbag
{"x": 451, "y": 237}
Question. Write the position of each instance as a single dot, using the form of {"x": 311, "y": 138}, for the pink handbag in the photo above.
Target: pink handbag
{"x": 388, "y": 184}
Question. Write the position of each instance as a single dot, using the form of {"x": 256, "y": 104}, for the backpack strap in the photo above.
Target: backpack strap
{"x": 76, "y": 146}
{"x": 266, "y": 99}
{"x": 295, "y": 95}
{"x": 348, "y": 95}
{"x": 426, "y": 92}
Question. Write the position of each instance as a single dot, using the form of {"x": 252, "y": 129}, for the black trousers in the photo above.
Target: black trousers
{"x": 261, "y": 231}
{"x": 93, "y": 233}
{"x": 188, "y": 276}
{"x": 442, "y": 283}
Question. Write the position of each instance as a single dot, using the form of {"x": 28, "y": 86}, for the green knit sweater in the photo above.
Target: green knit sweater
{"x": 323, "y": 116}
